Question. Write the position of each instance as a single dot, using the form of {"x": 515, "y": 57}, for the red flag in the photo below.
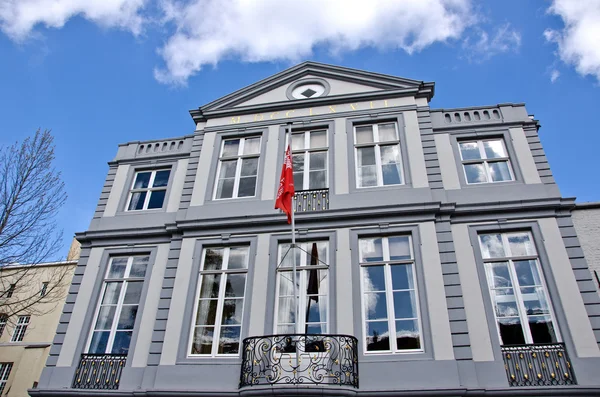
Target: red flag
{"x": 285, "y": 193}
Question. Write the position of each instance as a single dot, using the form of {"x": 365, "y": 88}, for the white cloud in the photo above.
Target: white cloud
{"x": 18, "y": 18}
{"x": 208, "y": 31}
{"x": 504, "y": 39}
{"x": 578, "y": 40}
{"x": 554, "y": 75}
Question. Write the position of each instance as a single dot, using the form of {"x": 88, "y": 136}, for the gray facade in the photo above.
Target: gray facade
{"x": 436, "y": 183}
{"x": 586, "y": 219}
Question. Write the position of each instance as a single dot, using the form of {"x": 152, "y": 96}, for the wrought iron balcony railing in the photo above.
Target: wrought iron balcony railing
{"x": 99, "y": 371}
{"x": 538, "y": 365}
{"x": 311, "y": 200}
{"x": 300, "y": 359}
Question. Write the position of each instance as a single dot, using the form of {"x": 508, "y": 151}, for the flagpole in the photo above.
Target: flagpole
{"x": 292, "y": 206}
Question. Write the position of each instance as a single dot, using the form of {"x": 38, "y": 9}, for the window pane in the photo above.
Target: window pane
{"x": 317, "y": 180}
{"x": 366, "y": 156}
{"x": 535, "y": 301}
{"x": 117, "y": 268}
{"x": 391, "y": 174}
{"x": 399, "y": 248}
{"x": 298, "y": 141}
{"x": 249, "y": 167}
{"x": 402, "y": 277}
{"x": 408, "y": 335}
{"x": 298, "y": 162}
{"x": 298, "y": 181}
{"x": 315, "y": 329}
{"x": 373, "y": 278}
{"x": 138, "y": 267}
{"x": 367, "y": 176}
{"x": 213, "y": 259}
{"x": 228, "y": 169}
{"x": 207, "y": 312}
{"x": 506, "y": 306}
{"x": 371, "y": 250}
{"x": 405, "y": 305}
{"x": 127, "y": 317}
{"x": 498, "y": 275}
{"x": 511, "y": 331}
{"x": 121, "y": 343}
{"x": 286, "y": 313}
{"x": 475, "y": 173}
{"x": 232, "y": 311}
{"x": 491, "y": 246}
{"x": 469, "y": 150}
{"x": 494, "y": 149}
{"x": 141, "y": 180}
{"x": 542, "y": 329}
{"x": 527, "y": 273}
{"x": 202, "y": 343}
{"x": 225, "y": 188}
{"x": 106, "y": 316}
{"x": 111, "y": 293}
{"x": 317, "y": 282}
{"x": 137, "y": 201}
{"x": 286, "y": 284}
{"x": 229, "y": 340}
{"x": 378, "y": 336}
{"x": 247, "y": 186}
{"x": 375, "y": 306}
{"x": 252, "y": 145}
{"x": 499, "y": 171}
{"x": 161, "y": 178}
{"x": 318, "y": 139}
{"x": 316, "y": 310}
{"x": 210, "y": 286}
{"x": 238, "y": 258}
{"x": 133, "y": 292}
{"x": 387, "y": 132}
{"x": 157, "y": 198}
{"x": 364, "y": 134}
{"x": 317, "y": 160}
{"x": 390, "y": 154}
{"x": 520, "y": 244}
{"x": 230, "y": 147}
{"x": 235, "y": 285}
{"x": 99, "y": 342}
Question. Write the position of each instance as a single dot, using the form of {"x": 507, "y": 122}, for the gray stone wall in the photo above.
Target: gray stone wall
{"x": 586, "y": 218}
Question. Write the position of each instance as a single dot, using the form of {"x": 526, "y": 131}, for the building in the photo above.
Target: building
{"x": 31, "y": 304}
{"x": 586, "y": 217}
{"x": 443, "y": 227}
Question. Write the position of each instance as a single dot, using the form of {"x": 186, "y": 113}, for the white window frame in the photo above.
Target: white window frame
{"x": 44, "y": 289}
{"x": 303, "y": 268}
{"x": 238, "y": 168}
{"x": 119, "y": 306}
{"x": 389, "y": 295}
{"x": 224, "y": 271}
{"x": 5, "y": 369}
{"x": 485, "y": 161}
{"x": 20, "y": 329}
{"x": 148, "y": 189}
{"x": 377, "y": 147}
{"x": 3, "y": 321}
{"x": 516, "y": 287}
{"x": 306, "y": 150}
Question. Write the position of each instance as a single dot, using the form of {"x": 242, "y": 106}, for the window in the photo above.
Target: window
{"x": 378, "y": 157}
{"x": 117, "y": 311}
{"x": 20, "y": 329}
{"x": 148, "y": 190}
{"x": 389, "y": 295}
{"x": 3, "y": 321}
{"x": 312, "y": 296}
{"x": 44, "y": 289}
{"x": 309, "y": 157}
{"x": 10, "y": 291}
{"x": 521, "y": 305}
{"x": 485, "y": 161}
{"x": 217, "y": 326}
{"x": 4, "y": 374}
{"x": 238, "y": 168}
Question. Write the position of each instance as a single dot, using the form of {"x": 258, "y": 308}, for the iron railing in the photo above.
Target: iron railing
{"x": 300, "y": 359}
{"x": 99, "y": 371}
{"x": 538, "y": 365}
{"x": 311, "y": 200}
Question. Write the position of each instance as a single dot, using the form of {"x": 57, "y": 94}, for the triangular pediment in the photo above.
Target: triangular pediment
{"x": 338, "y": 82}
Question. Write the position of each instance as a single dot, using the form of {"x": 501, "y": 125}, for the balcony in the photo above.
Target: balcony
{"x": 325, "y": 360}
{"x": 311, "y": 200}
{"x": 538, "y": 365}
{"x": 99, "y": 371}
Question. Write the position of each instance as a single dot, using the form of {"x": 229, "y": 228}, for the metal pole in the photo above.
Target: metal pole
{"x": 294, "y": 278}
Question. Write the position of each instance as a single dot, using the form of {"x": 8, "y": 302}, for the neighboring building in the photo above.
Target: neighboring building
{"x": 26, "y": 336}
{"x": 586, "y": 217}
{"x": 442, "y": 228}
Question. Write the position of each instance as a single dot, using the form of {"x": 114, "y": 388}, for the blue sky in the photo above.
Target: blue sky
{"x": 103, "y": 72}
